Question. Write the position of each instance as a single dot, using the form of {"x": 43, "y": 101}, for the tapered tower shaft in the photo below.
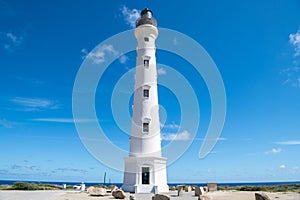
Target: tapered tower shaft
{"x": 145, "y": 168}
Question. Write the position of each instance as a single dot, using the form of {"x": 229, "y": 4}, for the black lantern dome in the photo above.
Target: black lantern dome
{"x": 146, "y": 18}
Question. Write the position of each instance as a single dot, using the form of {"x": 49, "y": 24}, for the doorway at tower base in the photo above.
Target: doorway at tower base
{"x": 145, "y": 175}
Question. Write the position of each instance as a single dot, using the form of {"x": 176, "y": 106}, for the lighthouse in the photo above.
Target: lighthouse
{"x": 145, "y": 168}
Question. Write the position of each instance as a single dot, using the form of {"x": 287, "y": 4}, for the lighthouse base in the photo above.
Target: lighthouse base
{"x": 145, "y": 175}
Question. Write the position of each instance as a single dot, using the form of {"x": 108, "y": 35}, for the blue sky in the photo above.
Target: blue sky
{"x": 255, "y": 45}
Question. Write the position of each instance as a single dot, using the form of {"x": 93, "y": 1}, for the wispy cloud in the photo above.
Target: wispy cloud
{"x": 291, "y": 75}
{"x": 30, "y": 80}
{"x": 161, "y": 71}
{"x": 211, "y": 139}
{"x": 282, "y": 166}
{"x": 63, "y": 120}
{"x": 289, "y": 142}
{"x": 9, "y": 40}
{"x": 24, "y": 167}
{"x": 173, "y": 125}
{"x": 184, "y": 135}
{"x": 34, "y": 104}
{"x": 70, "y": 170}
{"x": 98, "y": 56}
{"x": 123, "y": 59}
{"x": 130, "y": 15}
{"x": 274, "y": 151}
{"x": 6, "y": 124}
{"x": 295, "y": 41}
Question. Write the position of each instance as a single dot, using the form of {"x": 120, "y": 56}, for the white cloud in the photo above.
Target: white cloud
{"x": 123, "y": 59}
{"x": 5, "y": 123}
{"x": 274, "y": 151}
{"x": 290, "y": 142}
{"x": 34, "y": 104}
{"x": 173, "y": 125}
{"x": 10, "y": 40}
{"x": 184, "y": 135}
{"x": 295, "y": 41}
{"x": 130, "y": 15}
{"x": 291, "y": 75}
{"x": 63, "y": 120}
{"x": 98, "y": 56}
{"x": 282, "y": 166}
{"x": 211, "y": 139}
{"x": 69, "y": 170}
{"x": 161, "y": 71}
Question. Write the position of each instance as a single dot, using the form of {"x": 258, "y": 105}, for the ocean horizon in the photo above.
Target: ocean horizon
{"x": 11, "y": 182}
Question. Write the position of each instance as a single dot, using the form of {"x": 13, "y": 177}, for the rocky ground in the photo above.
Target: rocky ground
{"x": 72, "y": 195}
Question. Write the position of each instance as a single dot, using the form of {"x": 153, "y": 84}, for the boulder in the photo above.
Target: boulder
{"x": 118, "y": 194}
{"x": 261, "y": 196}
{"x": 199, "y": 191}
{"x": 113, "y": 187}
{"x": 180, "y": 190}
{"x": 131, "y": 197}
{"x": 172, "y": 188}
{"x": 188, "y": 189}
{"x": 90, "y": 189}
{"x": 102, "y": 191}
{"x": 93, "y": 191}
{"x": 160, "y": 197}
{"x": 212, "y": 187}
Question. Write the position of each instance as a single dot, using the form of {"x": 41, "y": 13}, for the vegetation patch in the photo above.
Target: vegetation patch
{"x": 30, "y": 186}
{"x": 264, "y": 188}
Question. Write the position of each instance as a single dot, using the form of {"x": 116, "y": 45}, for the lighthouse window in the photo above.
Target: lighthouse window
{"x": 146, "y": 93}
{"x": 146, "y": 39}
{"x": 146, "y": 63}
{"x": 145, "y": 127}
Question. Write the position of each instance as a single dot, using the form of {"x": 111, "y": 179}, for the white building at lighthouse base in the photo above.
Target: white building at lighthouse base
{"x": 145, "y": 175}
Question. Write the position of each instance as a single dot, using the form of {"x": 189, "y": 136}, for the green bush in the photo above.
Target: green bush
{"x": 24, "y": 186}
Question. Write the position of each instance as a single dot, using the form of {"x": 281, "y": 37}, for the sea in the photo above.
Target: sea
{"x": 11, "y": 182}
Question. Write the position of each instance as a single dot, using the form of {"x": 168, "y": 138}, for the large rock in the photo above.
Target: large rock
{"x": 212, "y": 187}
{"x": 113, "y": 187}
{"x": 180, "y": 190}
{"x": 173, "y": 188}
{"x": 118, "y": 194}
{"x": 188, "y": 189}
{"x": 199, "y": 191}
{"x": 160, "y": 197}
{"x": 261, "y": 196}
{"x": 90, "y": 189}
{"x": 131, "y": 197}
{"x": 93, "y": 191}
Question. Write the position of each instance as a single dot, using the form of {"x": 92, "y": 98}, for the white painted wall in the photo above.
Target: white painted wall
{"x": 145, "y": 148}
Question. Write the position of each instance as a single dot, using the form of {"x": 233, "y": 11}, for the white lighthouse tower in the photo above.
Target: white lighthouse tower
{"x": 145, "y": 168}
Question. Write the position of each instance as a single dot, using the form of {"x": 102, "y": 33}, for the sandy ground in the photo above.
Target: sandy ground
{"x": 30, "y": 195}
{"x": 72, "y": 195}
{"x": 219, "y": 195}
